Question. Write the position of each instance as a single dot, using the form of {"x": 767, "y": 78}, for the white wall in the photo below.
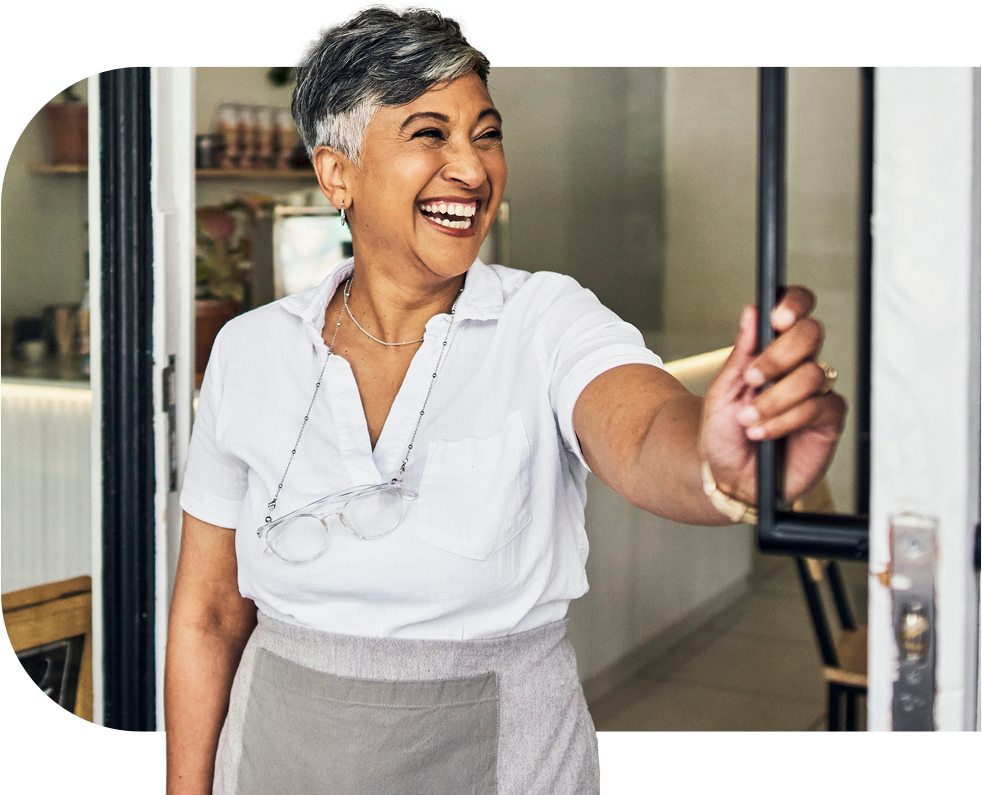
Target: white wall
{"x": 710, "y": 199}
{"x": 584, "y": 151}
{"x": 42, "y": 227}
{"x": 823, "y": 228}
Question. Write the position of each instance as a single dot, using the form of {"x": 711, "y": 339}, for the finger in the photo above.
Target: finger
{"x": 801, "y": 342}
{"x": 818, "y": 413}
{"x": 796, "y": 387}
{"x": 729, "y": 381}
{"x": 795, "y": 304}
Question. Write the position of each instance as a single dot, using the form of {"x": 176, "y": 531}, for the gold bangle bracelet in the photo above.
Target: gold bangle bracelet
{"x": 730, "y": 507}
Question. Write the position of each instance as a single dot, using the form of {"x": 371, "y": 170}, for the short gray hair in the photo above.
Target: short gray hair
{"x": 377, "y": 58}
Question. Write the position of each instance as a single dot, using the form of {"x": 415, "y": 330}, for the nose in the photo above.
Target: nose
{"x": 464, "y": 166}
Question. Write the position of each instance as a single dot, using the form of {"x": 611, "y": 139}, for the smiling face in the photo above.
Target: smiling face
{"x": 428, "y": 183}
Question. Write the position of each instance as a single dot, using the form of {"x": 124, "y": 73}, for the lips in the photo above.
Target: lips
{"x": 450, "y": 214}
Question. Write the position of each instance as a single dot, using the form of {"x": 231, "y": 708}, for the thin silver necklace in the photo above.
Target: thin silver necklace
{"x": 320, "y": 378}
{"x": 347, "y": 292}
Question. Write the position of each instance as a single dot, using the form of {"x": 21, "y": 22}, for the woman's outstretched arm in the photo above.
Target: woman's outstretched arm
{"x": 646, "y": 436}
{"x": 208, "y": 629}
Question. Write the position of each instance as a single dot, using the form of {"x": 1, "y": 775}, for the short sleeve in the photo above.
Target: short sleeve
{"x": 576, "y": 339}
{"x": 214, "y": 481}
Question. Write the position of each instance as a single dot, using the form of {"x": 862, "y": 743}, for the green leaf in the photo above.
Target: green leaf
{"x": 280, "y": 75}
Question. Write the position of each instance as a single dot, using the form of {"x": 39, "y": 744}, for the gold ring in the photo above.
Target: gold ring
{"x": 831, "y": 374}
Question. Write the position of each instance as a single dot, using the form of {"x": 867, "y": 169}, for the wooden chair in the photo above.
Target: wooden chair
{"x": 844, "y": 657}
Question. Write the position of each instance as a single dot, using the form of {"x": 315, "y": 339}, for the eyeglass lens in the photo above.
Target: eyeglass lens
{"x": 369, "y": 516}
{"x": 373, "y": 515}
{"x": 302, "y": 538}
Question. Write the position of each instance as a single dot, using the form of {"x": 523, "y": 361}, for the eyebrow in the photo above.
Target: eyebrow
{"x": 446, "y": 119}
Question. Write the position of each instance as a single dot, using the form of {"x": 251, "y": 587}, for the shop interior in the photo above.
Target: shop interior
{"x": 637, "y": 182}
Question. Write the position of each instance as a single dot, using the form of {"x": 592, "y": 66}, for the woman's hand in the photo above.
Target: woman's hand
{"x": 796, "y": 405}
{"x": 644, "y": 435}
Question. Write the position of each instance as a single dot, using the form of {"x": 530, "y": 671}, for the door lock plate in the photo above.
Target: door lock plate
{"x": 914, "y": 555}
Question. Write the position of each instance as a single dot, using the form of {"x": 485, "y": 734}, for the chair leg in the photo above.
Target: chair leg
{"x": 835, "y": 694}
{"x": 852, "y": 713}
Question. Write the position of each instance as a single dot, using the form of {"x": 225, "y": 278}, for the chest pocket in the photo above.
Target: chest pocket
{"x": 474, "y": 494}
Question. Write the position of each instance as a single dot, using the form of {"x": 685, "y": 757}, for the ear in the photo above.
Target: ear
{"x": 332, "y": 169}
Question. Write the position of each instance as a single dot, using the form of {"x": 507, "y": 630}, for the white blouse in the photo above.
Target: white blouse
{"x": 495, "y": 544}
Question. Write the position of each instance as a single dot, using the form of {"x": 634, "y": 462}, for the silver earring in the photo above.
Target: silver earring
{"x": 344, "y": 221}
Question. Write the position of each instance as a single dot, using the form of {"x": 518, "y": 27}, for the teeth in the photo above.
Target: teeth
{"x": 460, "y": 210}
{"x": 465, "y": 224}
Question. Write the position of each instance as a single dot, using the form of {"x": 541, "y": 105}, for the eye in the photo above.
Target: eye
{"x": 489, "y": 139}
{"x": 429, "y": 132}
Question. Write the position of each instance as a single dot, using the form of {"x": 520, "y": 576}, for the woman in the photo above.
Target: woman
{"x": 384, "y": 496}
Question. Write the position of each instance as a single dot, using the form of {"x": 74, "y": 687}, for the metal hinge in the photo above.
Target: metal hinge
{"x": 170, "y": 408}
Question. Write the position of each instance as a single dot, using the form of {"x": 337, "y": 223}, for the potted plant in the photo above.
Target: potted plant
{"x": 222, "y": 261}
{"x": 281, "y": 75}
{"x": 68, "y": 120}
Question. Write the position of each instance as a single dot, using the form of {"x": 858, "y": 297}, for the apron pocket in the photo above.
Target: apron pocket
{"x": 311, "y": 732}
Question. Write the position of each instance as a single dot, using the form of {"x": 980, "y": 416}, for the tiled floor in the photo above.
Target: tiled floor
{"x": 755, "y": 667}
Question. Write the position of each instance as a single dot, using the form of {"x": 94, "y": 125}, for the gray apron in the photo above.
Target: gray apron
{"x": 315, "y": 712}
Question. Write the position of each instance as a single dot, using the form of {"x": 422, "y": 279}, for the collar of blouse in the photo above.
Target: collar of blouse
{"x": 481, "y": 298}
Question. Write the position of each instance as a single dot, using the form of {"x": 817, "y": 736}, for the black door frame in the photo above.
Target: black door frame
{"x": 128, "y": 478}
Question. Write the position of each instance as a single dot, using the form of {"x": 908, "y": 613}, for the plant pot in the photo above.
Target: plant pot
{"x": 210, "y": 314}
{"x": 69, "y": 123}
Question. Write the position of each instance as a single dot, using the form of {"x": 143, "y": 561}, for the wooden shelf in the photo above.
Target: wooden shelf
{"x": 256, "y": 173}
{"x": 207, "y": 173}
{"x": 50, "y": 168}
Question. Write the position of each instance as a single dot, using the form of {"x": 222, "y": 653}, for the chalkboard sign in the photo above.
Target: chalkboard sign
{"x": 46, "y": 658}
{"x": 38, "y": 687}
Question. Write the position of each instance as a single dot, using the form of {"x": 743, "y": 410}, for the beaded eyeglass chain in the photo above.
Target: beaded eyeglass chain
{"x": 320, "y": 378}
